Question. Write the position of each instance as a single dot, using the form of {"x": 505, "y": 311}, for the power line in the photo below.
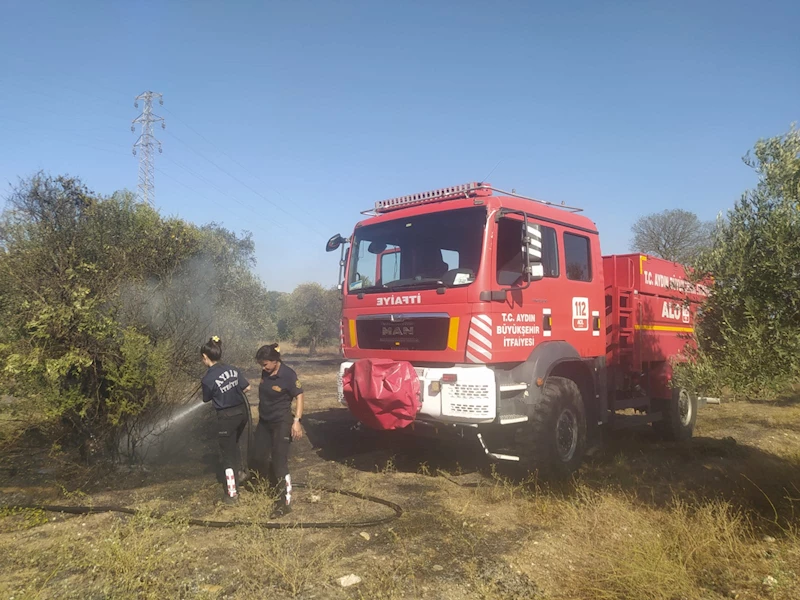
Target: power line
{"x": 179, "y": 182}
{"x": 117, "y": 150}
{"x": 193, "y": 190}
{"x": 244, "y": 184}
{"x": 147, "y": 144}
{"x": 146, "y": 175}
{"x": 77, "y": 138}
{"x": 208, "y": 182}
{"x": 221, "y": 151}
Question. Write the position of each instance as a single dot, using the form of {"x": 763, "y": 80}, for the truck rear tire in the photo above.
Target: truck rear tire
{"x": 554, "y": 439}
{"x": 679, "y": 415}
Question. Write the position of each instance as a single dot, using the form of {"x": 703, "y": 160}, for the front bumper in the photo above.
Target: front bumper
{"x": 471, "y": 399}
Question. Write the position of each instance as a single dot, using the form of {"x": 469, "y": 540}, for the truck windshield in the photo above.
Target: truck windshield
{"x": 426, "y": 251}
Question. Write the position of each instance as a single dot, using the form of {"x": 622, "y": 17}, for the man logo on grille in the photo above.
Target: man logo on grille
{"x": 396, "y": 330}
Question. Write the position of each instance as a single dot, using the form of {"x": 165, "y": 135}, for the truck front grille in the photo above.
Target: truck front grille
{"x": 420, "y": 333}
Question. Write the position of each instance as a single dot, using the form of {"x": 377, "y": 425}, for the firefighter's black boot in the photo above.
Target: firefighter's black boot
{"x": 231, "y": 493}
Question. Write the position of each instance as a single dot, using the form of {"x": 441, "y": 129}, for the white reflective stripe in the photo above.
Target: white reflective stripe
{"x": 473, "y": 358}
{"x": 547, "y": 333}
{"x": 536, "y": 243}
{"x": 512, "y": 420}
{"x": 503, "y": 456}
{"x": 596, "y": 333}
{"x": 513, "y": 387}
{"x": 482, "y": 325}
{"x": 477, "y": 348}
{"x": 535, "y": 252}
{"x": 534, "y": 230}
{"x": 546, "y": 311}
{"x": 480, "y": 338}
{"x": 595, "y": 313}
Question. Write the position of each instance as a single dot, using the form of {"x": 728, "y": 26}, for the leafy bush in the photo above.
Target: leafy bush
{"x": 749, "y": 330}
{"x": 104, "y": 304}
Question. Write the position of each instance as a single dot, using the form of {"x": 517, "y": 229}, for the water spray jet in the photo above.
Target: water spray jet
{"x": 145, "y": 436}
{"x": 164, "y": 424}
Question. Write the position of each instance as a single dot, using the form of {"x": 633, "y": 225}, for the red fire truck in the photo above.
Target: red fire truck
{"x": 485, "y": 313}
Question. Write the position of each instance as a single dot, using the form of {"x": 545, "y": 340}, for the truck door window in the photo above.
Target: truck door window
{"x": 509, "y": 252}
{"x": 578, "y": 257}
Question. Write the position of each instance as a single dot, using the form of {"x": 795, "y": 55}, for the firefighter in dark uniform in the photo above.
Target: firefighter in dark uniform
{"x": 277, "y": 424}
{"x": 224, "y": 386}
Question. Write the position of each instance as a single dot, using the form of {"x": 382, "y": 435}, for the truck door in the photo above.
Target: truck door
{"x": 583, "y": 290}
{"x": 524, "y": 319}
{"x": 561, "y": 305}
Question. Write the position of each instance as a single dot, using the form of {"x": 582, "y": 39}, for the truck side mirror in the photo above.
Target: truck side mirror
{"x": 337, "y": 241}
{"x": 334, "y": 243}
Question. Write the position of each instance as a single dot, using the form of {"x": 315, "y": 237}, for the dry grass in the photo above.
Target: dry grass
{"x": 638, "y": 552}
{"x": 711, "y": 519}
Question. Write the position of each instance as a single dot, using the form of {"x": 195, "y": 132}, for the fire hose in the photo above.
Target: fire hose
{"x": 93, "y": 510}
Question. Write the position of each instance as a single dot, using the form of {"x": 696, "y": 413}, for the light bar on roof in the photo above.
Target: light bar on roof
{"x": 455, "y": 192}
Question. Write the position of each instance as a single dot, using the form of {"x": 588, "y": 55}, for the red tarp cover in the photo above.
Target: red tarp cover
{"x": 382, "y": 393}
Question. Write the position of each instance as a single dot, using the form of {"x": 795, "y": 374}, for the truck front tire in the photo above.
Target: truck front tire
{"x": 554, "y": 439}
{"x": 678, "y": 415}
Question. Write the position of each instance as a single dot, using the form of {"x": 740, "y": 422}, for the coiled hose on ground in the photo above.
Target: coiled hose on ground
{"x": 92, "y": 510}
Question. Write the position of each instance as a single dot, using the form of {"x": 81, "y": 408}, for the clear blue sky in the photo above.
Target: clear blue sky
{"x": 623, "y": 108}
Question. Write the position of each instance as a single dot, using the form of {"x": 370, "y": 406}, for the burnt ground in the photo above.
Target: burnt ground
{"x": 710, "y": 518}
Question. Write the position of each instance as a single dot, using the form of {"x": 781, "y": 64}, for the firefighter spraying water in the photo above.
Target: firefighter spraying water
{"x": 497, "y": 318}
{"x": 224, "y": 386}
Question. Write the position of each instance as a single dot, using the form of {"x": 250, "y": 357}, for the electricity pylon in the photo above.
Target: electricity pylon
{"x": 147, "y": 143}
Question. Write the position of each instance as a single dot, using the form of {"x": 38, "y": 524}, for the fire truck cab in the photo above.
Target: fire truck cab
{"x": 519, "y": 332}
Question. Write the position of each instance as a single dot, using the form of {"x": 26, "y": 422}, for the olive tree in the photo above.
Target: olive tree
{"x": 104, "y": 304}
{"x": 749, "y": 330}
{"x": 677, "y": 235}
